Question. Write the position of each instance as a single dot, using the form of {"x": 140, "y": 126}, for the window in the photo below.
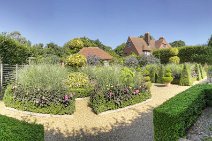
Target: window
{"x": 146, "y": 52}
{"x": 164, "y": 45}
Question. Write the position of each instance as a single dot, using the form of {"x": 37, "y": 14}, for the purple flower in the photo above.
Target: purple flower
{"x": 66, "y": 97}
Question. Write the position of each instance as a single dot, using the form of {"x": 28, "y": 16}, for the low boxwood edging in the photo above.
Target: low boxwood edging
{"x": 14, "y": 130}
{"x": 174, "y": 117}
{"x": 81, "y": 92}
{"x": 52, "y": 108}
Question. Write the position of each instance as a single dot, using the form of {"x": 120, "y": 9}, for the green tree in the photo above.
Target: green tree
{"x": 120, "y": 49}
{"x": 74, "y": 45}
{"x": 178, "y": 43}
{"x": 12, "y": 51}
{"x": 210, "y": 41}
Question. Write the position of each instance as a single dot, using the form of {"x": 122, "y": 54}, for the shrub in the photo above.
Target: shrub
{"x": 197, "y": 69}
{"x": 174, "y": 60}
{"x": 148, "y": 59}
{"x": 161, "y": 74}
{"x": 116, "y": 87}
{"x": 14, "y": 130}
{"x": 173, "y": 51}
{"x": 168, "y": 76}
{"x": 42, "y": 89}
{"x": 79, "y": 84}
{"x": 76, "y": 60}
{"x": 176, "y": 72}
{"x": 131, "y": 61}
{"x": 202, "y": 71}
{"x": 174, "y": 117}
{"x": 93, "y": 60}
{"x": 153, "y": 72}
{"x": 185, "y": 78}
{"x": 198, "y": 54}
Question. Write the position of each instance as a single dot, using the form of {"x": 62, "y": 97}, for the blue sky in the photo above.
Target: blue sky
{"x": 112, "y": 21}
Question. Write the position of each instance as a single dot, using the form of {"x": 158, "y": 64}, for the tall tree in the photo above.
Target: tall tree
{"x": 74, "y": 45}
{"x": 210, "y": 41}
{"x": 120, "y": 49}
{"x": 178, "y": 43}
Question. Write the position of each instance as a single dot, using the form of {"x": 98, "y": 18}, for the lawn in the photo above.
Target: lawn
{"x": 14, "y": 130}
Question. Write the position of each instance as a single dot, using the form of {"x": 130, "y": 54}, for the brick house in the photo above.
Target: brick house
{"x": 144, "y": 45}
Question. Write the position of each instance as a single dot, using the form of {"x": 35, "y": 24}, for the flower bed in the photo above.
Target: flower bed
{"x": 117, "y": 87}
{"x": 41, "y": 89}
{"x": 174, "y": 117}
{"x": 14, "y": 130}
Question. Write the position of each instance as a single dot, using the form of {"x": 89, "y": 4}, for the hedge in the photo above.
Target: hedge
{"x": 14, "y": 130}
{"x": 173, "y": 118}
{"x": 198, "y": 54}
{"x": 82, "y": 92}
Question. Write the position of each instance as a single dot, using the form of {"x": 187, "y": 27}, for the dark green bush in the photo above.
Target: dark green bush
{"x": 174, "y": 117}
{"x": 198, "y": 54}
{"x": 14, "y": 130}
{"x": 185, "y": 78}
{"x": 208, "y": 92}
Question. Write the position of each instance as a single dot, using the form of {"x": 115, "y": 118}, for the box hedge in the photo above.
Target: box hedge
{"x": 14, "y": 130}
{"x": 174, "y": 117}
{"x": 198, "y": 54}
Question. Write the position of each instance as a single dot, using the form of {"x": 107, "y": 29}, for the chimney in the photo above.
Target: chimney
{"x": 147, "y": 38}
{"x": 161, "y": 38}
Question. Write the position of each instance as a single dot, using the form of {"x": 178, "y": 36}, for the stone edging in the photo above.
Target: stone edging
{"x": 38, "y": 114}
{"x": 125, "y": 108}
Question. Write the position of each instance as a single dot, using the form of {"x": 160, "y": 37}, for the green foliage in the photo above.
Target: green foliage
{"x": 173, "y": 51}
{"x": 197, "y": 69}
{"x": 120, "y": 49}
{"x": 42, "y": 89}
{"x": 78, "y": 80}
{"x": 185, "y": 79}
{"x": 202, "y": 71}
{"x": 168, "y": 76}
{"x": 153, "y": 72}
{"x": 174, "y": 60}
{"x": 210, "y": 41}
{"x": 14, "y": 130}
{"x": 13, "y": 52}
{"x": 116, "y": 87}
{"x": 174, "y": 117}
{"x": 76, "y": 60}
{"x": 178, "y": 43}
{"x": 161, "y": 74}
{"x": 127, "y": 76}
{"x": 198, "y": 54}
{"x": 79, "y": 84}
{"x": 74, "y": 45}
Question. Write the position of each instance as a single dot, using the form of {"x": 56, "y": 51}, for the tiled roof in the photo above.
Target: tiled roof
{"x": 87, "y": 51}
{"x": 140, "y": 44}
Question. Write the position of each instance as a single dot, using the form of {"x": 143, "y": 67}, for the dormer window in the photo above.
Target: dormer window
{"x": 164, "y": 45}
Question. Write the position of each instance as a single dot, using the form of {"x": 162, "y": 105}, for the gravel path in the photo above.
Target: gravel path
{"x": 202, "y": 129}
{"x": 134, "y": 124}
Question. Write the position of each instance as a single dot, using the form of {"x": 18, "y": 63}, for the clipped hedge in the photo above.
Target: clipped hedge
{"x": 198, "y": 54}
{"x": 175, "y": 116}
{"x": 14, "y": 130}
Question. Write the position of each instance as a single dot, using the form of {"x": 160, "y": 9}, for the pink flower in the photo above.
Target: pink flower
{"x": 66, "y": 97}
{"x": 137, "y": 91}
